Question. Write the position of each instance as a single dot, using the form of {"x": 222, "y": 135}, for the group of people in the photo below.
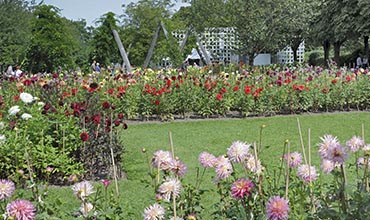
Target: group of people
{"x": 95, "y": 67}
{"x": 13, "y": 73}
{"x": 362, "y": 62}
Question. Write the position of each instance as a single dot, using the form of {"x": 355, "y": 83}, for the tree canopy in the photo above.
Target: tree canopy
{"x": 15, "y": 32}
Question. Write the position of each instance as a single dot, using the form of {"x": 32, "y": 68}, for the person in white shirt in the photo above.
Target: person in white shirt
{"x": 18, "y": 72}
{"x": 358, "y": 62}
{"x": 9, "y": 72}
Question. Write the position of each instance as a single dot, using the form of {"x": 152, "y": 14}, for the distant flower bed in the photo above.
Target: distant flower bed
{"x": 241, "y": 92}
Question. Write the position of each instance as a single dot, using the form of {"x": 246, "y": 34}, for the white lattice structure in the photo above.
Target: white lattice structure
{"x": 285, "y": 56}
{"x": 219, "y": 42}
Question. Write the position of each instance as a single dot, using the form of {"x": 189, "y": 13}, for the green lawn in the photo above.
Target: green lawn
{"x": 193, "y": 137}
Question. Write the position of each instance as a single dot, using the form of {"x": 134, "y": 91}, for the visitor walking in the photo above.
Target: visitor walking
{"x": 18, "y": 72}
{"x": 9, "y": 72}
{"x": 358, "y": 62}
{"x": 93, "y": 66}
{"x": 365, "y": 62}
{"x": 97, "y": 68}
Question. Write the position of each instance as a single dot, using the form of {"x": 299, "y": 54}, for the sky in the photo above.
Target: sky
{"x": 90, "y": 10}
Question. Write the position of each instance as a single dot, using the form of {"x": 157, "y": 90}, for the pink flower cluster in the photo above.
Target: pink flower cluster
{"x": 163, "y": 160}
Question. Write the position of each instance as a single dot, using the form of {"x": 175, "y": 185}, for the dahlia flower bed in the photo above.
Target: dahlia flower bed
{"x": 61, "y": 128}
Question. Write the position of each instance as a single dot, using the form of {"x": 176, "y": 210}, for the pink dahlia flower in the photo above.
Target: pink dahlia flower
{"x": 327, "y": 166}
{"x": 295, "y": 159}
{"x": 327, "y": 142}
{"x": 171, "y": 187}
{"x": 238, "y": 151}
{"x": 162, "y": 159}
{"x": 241, "y": 188}
{"x": 7, "y": 188}
{"x": 207, "y": 159}
{"x": 355, "y": 143}
{"x": 83, "y": 189}
{"x": 178, "y": 167}
{"x": 154, "y": 212}
{"x": 20, "y": 210}
{"x": 223, "y": 167}
{"x": 307, "y": 173}
{"x": 277, "y": 208}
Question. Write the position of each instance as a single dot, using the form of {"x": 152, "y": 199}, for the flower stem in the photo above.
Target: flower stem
{"x": 287, "y": 173}
{"x": 281, "y": 162}
{"x": 309, "y": 170}
{"x": 366, "y": 179}
{"x": 343, "y": 191}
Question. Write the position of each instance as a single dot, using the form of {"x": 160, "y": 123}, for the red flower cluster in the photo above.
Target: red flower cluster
{"x": 247, "y": 90}
{"x": 257, "y": 92}
{"x": 298, "y": 87}
{"x": 219, "y": 96}
{"x": 77, "y": 108}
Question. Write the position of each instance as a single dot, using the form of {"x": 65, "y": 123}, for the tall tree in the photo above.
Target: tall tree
{"x": 208, "y": 14}
{"x": 140, "y": 24}
{"x": 335, "y": 24}
{"x": 51, "y": 43}
{"x": 15, "y": 32}
{"x": 343, "y": 23}
{"x": 296, "y": 17}
{"x": 78, "y": 30}
{"x": 105, "y": 50}
{"x": 257, "y": 25}
{"x": 322, "y": 28}
{"x": 363, "y": 24}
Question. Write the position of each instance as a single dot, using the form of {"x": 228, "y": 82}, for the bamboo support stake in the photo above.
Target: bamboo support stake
{"x": 309, "y": 164}
{"x": 112, "y": 155}
{"x": 258, "y": 175}
{"x": 301, "y": 138}
{"x": 366, "y": 160}
{"x": 174, "y": 205}
{"x": 158, "y": 173}
{"x": 171, "y": 145}
{"x": 363, "y": 132}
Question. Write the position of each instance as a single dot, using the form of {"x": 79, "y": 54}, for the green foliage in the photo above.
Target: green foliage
{"x": 15, "y": 33}
{"x": 51, "y": 44}
{"x": 140, "y": 23}
{"x": 105, "y": 49}
{"x": 257, "y": 25}
{"x": 79, "y": 32}
{"x": 37, "y": 143}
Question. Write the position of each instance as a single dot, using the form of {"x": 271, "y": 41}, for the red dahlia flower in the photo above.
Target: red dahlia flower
{"x": 84, "y": 136}
{"x": 219, "y": 96}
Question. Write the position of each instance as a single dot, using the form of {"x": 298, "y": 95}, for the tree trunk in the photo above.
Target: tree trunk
{"x": 326, "y": 45}
{"x": 251, "y": 59}
{"x": 295, "y": 49}
{"x": 337, "y": 45}
{"x": 366, "y": 46}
